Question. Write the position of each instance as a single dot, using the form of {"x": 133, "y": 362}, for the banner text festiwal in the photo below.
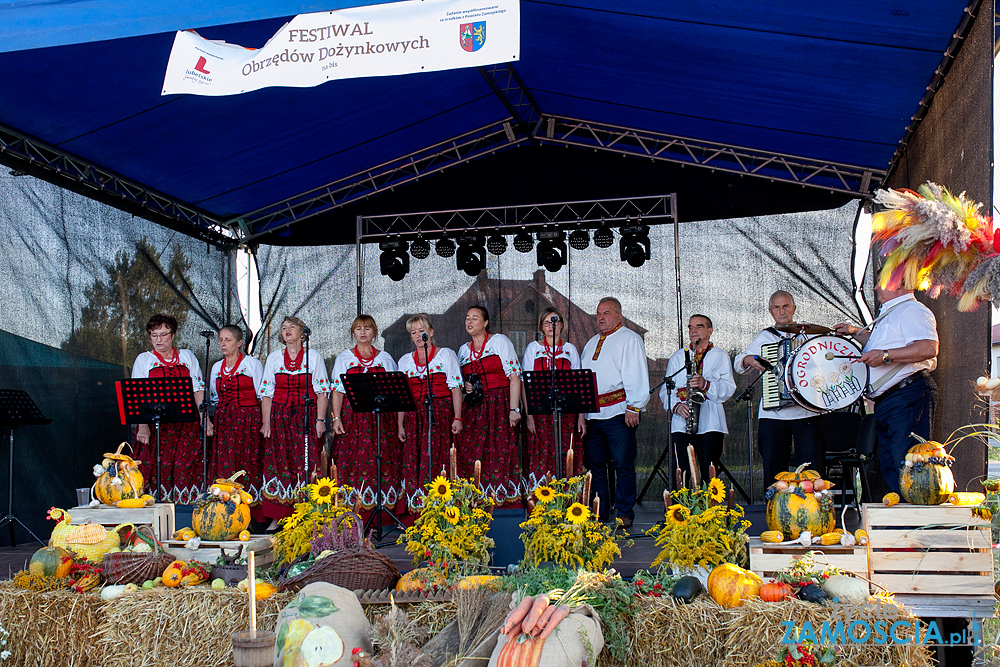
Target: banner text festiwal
{"x": 381, "y": 40}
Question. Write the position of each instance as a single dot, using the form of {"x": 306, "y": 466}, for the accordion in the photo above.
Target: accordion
{"x": 774, "y": 392}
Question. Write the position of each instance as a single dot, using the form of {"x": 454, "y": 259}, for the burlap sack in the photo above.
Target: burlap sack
{"x": 321, "y": 622}
{"x": 578, "y": 637}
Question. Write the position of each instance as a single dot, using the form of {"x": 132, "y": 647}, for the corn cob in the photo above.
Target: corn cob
{"x": 890, "y": 499}
{"x": 828, "y": 539}
{"x": 772, "y": 536}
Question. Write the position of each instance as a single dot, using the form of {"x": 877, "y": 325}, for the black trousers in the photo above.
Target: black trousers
{"x": 774, "y": 442}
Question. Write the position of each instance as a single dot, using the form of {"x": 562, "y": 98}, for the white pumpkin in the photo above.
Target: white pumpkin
{"x": 112, "y": 592}
{"x": 848, "y": 590}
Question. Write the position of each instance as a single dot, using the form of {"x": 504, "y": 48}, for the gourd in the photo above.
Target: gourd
{"x": 791, "y": 510}
{"x": 687, "y": 589}
{"x": 890, "y": 499}
{"x": 812, "y": 593}
{"x": 223, "y": 512}
{"x": 51, "y": 562}
{"x": 849, "y": 590}
{"x": 925, "y": 478}
{"x": 118, "y": 478}
{"x": 263, "y": 590}
{"x": 776, "y": 591}
{"x": 478, "y": 581}
{"x": 420, "y": 579}
{"x": 112, "y": 592}
{"x": 966, "y": 498}
{"x": 173, "y": 575}
{"x": 729, "y": 585}
{"x": 772, "y": 537}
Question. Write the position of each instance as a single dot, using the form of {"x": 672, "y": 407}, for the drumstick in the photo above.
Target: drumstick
{"x": 831, "y": 355}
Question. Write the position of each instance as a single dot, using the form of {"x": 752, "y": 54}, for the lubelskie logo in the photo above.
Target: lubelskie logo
{"x": 472, "y": 36}
{"x": 200, "y": 67}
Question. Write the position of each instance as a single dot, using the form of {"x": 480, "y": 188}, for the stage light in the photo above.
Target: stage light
{"x": 551, "y": 252}
{"x": 420, "y": 248}
{"x": 634, "y": 245}
{"x": 497, "y": 244}
{"x": 523, "y": 242}
{"x": 604, "y": 237}
{"x": 579, "y": 239}
{"x": 471, "y": 256}
{"x": 394, "y": 262}
{"x": 445, "y": 247}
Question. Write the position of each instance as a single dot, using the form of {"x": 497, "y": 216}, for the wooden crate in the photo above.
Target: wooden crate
{"x": 208, "y": 552}
{"x": 160, "y": 517}
{"x": 766, "y": 559}
{"x": 928, "y": 549}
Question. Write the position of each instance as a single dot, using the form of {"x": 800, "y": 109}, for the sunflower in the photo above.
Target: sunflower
{"x": 717, "y": 489}
{"x": 577, "y": 513}
{"x": 322, "y": 491}
{"x": 544, "y": 494}
{"x": 678, "y": 514}
{"x": 441, "y": 488}
{"x": 451, "y": 515}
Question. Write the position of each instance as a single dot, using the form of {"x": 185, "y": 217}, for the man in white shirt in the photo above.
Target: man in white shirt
{"x": 712, "y": 377}
{"x": 901, "y": 349}
{"x": 778, "y": 428}
{"x": 617, "y": 356}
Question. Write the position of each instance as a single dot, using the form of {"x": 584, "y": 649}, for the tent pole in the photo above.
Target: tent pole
{"x": 357, "y": 250}
{"x": 677, "y": 269}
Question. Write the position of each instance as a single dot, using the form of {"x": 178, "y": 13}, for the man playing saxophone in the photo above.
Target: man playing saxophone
{"x": 704, "y": 382}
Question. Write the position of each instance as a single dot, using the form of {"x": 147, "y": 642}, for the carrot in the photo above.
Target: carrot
{"x": 561, "y": 612}
{"x": 503, "y": 660}
{"x": 515, "y": 656}
{"x": 541, "y": 602}
{"x": 517, "y": 615}
{"x": 542, "y": 620}
{"x": 536, "y": 652}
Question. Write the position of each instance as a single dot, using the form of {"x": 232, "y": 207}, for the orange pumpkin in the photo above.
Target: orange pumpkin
{"x": 730, "y": 585}
{"x": 224, "y": 512}
{"x": 776, "y": 591}
{"x": 118, "y": 478}
{"x": 51, "y": 562}
{"x": 174, "y": 573}
{"x": 420, "y": 579}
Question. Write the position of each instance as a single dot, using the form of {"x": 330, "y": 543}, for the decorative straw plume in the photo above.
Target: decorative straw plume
{"x": 666, "y": 499}
{"x": 453, "y": 463}
{"x": 597, "y": 506}
{"x": 711, "y": 471}
{"x": 477, "y": 474}
{"x": 587, "y": 480}
{"x": 568, "y": 470}
{"x": 693, "y": 465}
{"x": 731, "y": 499}
{"x": 678, "y": 478}
{"x": 357, "y": 504}
{"x": 334, "y": 473}
{"x": 324, "y": 461}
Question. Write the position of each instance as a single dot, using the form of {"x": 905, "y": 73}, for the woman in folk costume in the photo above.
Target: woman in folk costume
{"x": 233, "y": 385}
{"x": 491, "y": 370}
{"x": 288, "y": 378}
{"x": 180, "y": 444}
{"x": 539, "y": 356}
{"x": 354, "y": 443}
{"x": 446, "y": 402}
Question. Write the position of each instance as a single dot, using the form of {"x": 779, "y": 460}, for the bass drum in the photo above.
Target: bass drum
{"x": 821, "y": 377}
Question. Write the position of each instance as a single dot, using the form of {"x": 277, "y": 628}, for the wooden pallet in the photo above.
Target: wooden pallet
{"x": 208, "y": 552}
{"x": 929, "y": 549}
{"x": 160, "y": 517}
{"x": 766, "y": 559}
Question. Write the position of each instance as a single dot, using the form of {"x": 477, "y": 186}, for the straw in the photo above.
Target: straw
{"x": 253, "y": 598}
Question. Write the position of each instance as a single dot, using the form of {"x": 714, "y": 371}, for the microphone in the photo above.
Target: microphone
{"x": 306, "y": 331}
{"x": 423, "y": 336}
{"x": 554, "y": 319}
{"x": 208, "y": 333}
{"x": 768, "y": 366}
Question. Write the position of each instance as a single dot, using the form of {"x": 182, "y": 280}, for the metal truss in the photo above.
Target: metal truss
{"x": 587, "y": 214}
{"x": 507, "y": 85}
{"x": 466, "y": 147}
{"x": 23, "y": 153}
{"x": 832, "y": 176}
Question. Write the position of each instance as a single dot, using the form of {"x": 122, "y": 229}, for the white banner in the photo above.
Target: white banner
{"x": 380, "y": 40}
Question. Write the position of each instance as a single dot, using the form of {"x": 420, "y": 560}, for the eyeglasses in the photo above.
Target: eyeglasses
{"x": 160, "y": 336}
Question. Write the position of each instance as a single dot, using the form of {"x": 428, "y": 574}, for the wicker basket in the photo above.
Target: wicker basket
{"x": 356, "y": 568}
{"x": 130, "y": 567}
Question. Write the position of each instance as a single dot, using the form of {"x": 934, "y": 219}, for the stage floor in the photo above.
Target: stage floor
{"x": 505, "y": 531}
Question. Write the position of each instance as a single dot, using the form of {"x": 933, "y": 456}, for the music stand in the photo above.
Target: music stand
{"x": 156, "y": 400}
{"x": 378, "y": 393}
{"x": 17, "y": 409}
{"x": 557, "y": 392}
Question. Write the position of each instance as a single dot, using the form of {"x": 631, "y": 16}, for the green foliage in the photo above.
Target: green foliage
{"x": 112, "y": 324}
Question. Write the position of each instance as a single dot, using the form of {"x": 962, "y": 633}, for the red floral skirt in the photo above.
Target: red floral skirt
{"x": 487, "y": 436}
{"x": 284, "y": 452}
{"x": 180, "y": 461}
{"x": 541, "y": 446}
{"x": 237, "y": 445}
{"x": 354, "y": 452}
{"x": 414, "y": 465}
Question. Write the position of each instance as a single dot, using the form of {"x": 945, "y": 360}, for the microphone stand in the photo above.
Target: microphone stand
{"x": 668, "y": 382}
{"x": 204, "y": 412}
{"x": 556, "y": 402}
{"x": 747, "y": 395}
{"x": 307, "y": 401}
{"x": 429, "y": 404}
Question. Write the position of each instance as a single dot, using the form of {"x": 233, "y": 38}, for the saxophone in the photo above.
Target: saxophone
{"x": 693, "y": 398}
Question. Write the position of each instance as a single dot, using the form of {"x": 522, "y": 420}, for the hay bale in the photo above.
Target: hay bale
{"x": 666, "y": 632}
{"x": 50, "y": 628}
{"x": 433, "y": 615}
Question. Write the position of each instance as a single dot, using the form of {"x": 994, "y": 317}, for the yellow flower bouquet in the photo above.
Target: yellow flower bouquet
{"x": 562, "y": 530}
{"x": 324, "y": 501}
{"x": 699, "y": 531}
{"x": 452, "y": 525}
